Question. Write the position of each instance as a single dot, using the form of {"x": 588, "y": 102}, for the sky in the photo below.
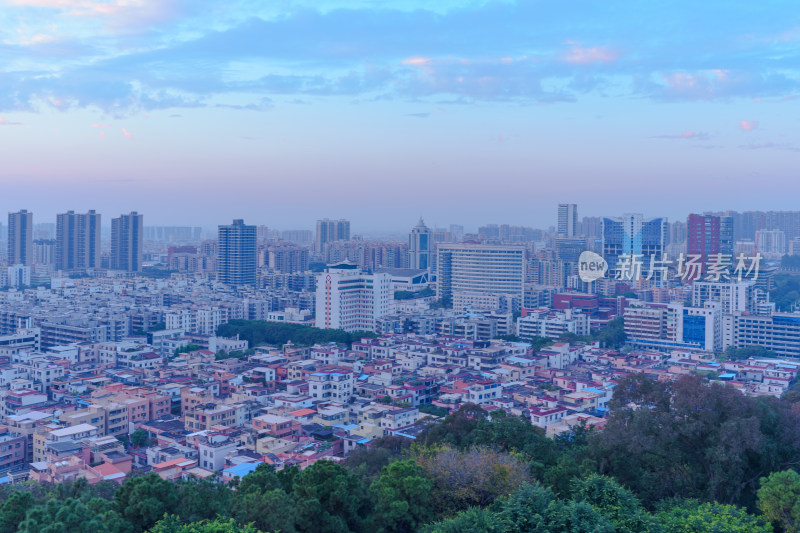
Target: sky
{"x": 382, "y": 111}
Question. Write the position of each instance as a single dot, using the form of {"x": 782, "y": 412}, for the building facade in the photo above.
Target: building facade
{"x": 419, "y": 247}
{"x": 20, "y": 238}
{"x": 348, "y": 298}
{"x": 126, "y": 242}
{"x": 236, "y": 254}
{"x": 77, "y": 240}
{"x": 479, "y": 268}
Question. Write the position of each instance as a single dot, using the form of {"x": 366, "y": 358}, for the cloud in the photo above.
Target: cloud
{"x": 6, "y": 122}
{"x": 748, "y": 125}
{"x": 169, "y": 54}
{"x": 102, "y": 135}
{"x": 127, "y": 134}
{"x": 116, "y": 15}
{"x": 770, "y": 146}
{"x": 585, "y": 56}
{"x": 100, "y": 126}
{"x": 686, "y": 135}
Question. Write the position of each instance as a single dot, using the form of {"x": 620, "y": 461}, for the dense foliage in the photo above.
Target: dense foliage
{"x": 786, "y": 292}
{"x": 258, "y": 332}
{"x": 675, "y": 456}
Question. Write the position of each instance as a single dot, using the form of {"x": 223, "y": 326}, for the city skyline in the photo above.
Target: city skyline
{"x": 162, "y": 107}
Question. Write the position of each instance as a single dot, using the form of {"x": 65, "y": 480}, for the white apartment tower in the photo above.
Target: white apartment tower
{"x": 480, "y": 269}
{"x": 349, "y": 299}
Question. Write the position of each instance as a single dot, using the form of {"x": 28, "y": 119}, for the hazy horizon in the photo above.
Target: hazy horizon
{"x": 195, "y": 113}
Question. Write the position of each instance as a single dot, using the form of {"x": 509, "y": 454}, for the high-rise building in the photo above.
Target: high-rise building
{"x": 77, "y": 240}
{"x": 126, "y": 242}
{"x": 635, "y": 238}
{"x": 329, "y": 231}
{"x": 771, "y": 243}
{"x": 44, "y": 252}
{"x": 236, "y": 254}
{"x": 708, "y": 235}
{"x": 567, "y": 220}
{"x": 419, "y": 246}
{"x": 20, "y": 238}
{"x": 480, "y": 269}
{"x": 457, "y": 231}
{"x": 286, "y": 258}
{"x": 349, "y": 299}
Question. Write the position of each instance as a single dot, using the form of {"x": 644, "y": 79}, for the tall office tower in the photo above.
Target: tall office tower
{"x": 419, "y": 246}
{"x": 708, "y": 235}
{"x": 329, "y": 231}
{"x": 77, "y": 240}
{"x": 126, "y": 242}
{"x": 632, "y": 236}
{"x": 465, "y": 270}
{"x": 567, "y": 220}
{"x": 20, "y": 238}
{"x": 236, "y": 254}
{"x": 349, "y": 299}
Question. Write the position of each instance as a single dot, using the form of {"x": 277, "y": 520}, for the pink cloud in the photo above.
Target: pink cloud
{"x": 687, "y": 135}
{"x": 748, "y": 125}
{"x": 423, "y": 63}
{"x": 102, "y": 135}
{"x": 127, "y": 134}
{"x": 118, "y": 15}
{"x": 579, "y": 55}
{"x": 6, "y": 122}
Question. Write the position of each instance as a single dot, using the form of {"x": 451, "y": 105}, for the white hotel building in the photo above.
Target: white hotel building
{"x": 350, "y": 299}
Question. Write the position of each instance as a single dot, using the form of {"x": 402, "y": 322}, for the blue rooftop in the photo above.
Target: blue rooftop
{"x": 241, "y": 470}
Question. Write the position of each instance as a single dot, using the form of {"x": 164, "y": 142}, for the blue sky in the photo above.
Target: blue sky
{"x": 466, "y": 112}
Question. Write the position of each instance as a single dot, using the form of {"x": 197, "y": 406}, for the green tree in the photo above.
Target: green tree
{"x": 613, "y": 501}
{"x": 203, "y": 499}
{"x": 270, "y": 510}
{"x": 474, "y": 520}
{"x": 710, "y": 518}
{"x": 779, "y": 499}
{"x": 330, "y": 499}
{"x": 73, "y": 515}
{"x": 172, "y": 524}
{"x": 576, "y": 517}
{"x": 526, "y": 510}
{"x": 401, "y": 498}
{"x": 145, "y": 499}
{"x": 14, "y": 509}
{"x": 140, "y": 438}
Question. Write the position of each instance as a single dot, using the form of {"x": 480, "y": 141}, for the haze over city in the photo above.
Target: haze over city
{"x": 463, "y": 112}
